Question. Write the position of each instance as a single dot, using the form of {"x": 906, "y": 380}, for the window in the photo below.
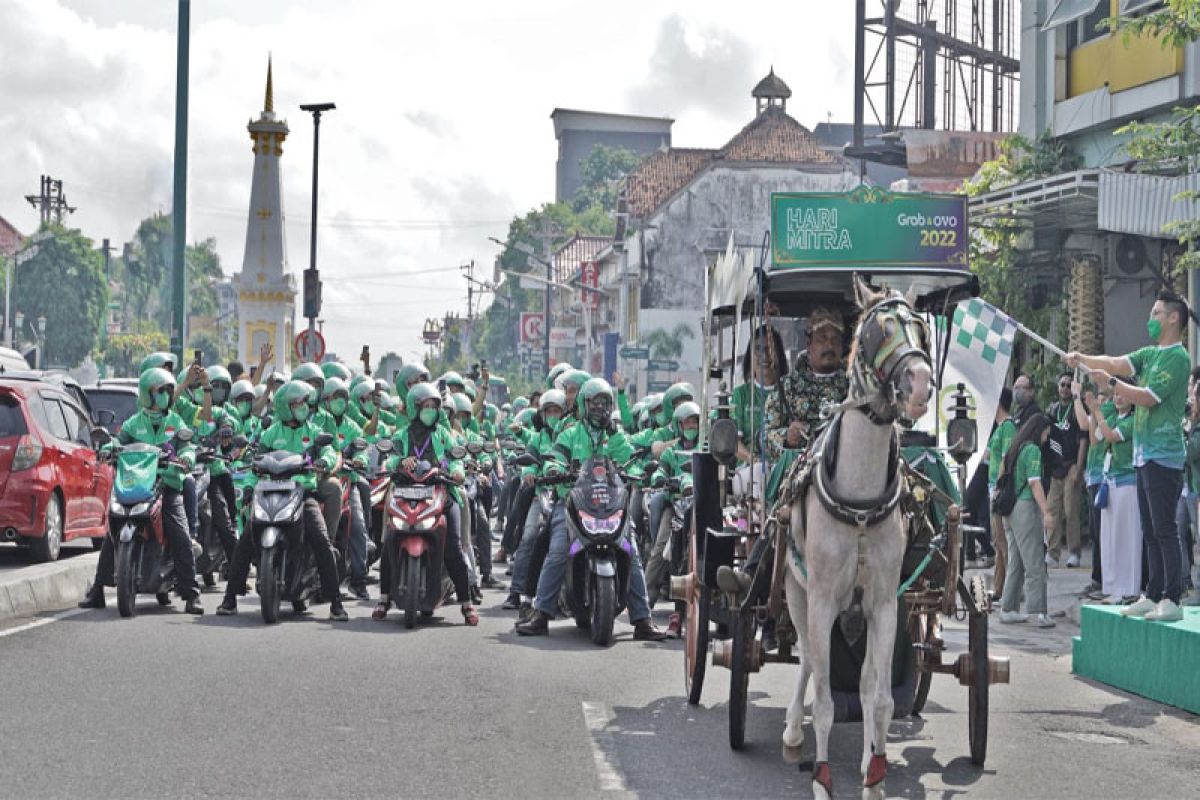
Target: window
{"x": 12, "y": 421}
{"x": 1129, "y": 6}
{"x": 56, "y": 424}
{"x": 78, "y": 424}
{"x": 1071, "y": 10}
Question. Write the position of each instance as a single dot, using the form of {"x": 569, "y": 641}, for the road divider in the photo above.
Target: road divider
{"x": 32, "y": 590}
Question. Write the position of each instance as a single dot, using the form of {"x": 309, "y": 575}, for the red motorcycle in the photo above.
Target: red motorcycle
{"x": 414, "y": 539}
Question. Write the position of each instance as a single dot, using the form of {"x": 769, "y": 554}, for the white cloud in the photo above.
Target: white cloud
{"x": 441, "y": 134}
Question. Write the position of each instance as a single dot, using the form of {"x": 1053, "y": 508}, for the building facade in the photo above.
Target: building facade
{"x": 266, "y": 290}
{"x": 578, "y": 132}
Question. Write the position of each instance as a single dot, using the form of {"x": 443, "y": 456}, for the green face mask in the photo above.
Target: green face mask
{"x": 691, "y": 434}
{"x": 162, "y": 400}
{"x": 552, "y": 422}
{"x": 300, "y": 412}
{"x": 337, "y": 406}
{"x": 243, "y": 408}
{"x": 1154, "y": 328}
{"x": 428, "y": 416}
{"x": 368, "y": 408}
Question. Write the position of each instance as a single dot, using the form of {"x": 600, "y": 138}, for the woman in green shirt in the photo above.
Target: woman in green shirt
{"x": 1026, "y": 525}
{"x": 1120, "y": 522}
{"x": 749, "y": 397}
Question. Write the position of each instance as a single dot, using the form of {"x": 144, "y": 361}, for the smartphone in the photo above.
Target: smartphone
{"x": 483, "y": 363}
{"x": 197, "y": 357}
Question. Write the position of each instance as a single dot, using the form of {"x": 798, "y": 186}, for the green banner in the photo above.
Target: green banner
{"x": 867, "y": 227}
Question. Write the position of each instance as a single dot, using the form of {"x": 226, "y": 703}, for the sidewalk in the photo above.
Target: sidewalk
{"x": 1064, "y": 586}
{"x": 29, "y": 590}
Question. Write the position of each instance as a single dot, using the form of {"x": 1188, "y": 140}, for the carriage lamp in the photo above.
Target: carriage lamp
{"x": 961, "y": 432}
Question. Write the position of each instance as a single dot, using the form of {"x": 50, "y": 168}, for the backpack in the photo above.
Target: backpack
{"x": 1005, "y": 499}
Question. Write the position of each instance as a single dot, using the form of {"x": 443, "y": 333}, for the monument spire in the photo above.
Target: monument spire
{"x": 269, "y": 102}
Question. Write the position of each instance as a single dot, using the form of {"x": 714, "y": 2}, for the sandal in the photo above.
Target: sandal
{"x": 469, "y": 615}
{"x": 381, "y": 609}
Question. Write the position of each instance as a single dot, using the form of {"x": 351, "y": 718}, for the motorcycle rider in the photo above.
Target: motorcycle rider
{"x": 685, "y": 428}
{"x": 293, "y": 431}
{"x": 425, "y": 438}
{"x": 329, "y": 488}
{"x": 525, "y": 519}
{"x": 336, "y": 400}
{"x": 155, "y": 423}
{"x": 593, "y": 433}
{"x": 461, "y": 425}
{"x": 659, "y": 440}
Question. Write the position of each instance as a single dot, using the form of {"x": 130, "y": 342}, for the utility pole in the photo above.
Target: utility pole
{"x": 50, "y": 201}
{"x": 468, "y": 271}
{"x": 179, "y": 201}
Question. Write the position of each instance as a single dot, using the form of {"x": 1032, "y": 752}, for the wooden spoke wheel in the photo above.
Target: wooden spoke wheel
{"x": 742, "y": 642}
{"x": 922, "y": 626}
{"x": 977, "y": 691}
{"x": 698, "y": 598}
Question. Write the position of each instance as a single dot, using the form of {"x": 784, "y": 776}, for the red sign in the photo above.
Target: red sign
{"x": 531, "y": 328}
{"x": 309, "y": 346}
{"x": 589, "y": 275}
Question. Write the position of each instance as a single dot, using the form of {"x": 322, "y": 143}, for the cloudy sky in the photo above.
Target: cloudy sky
{"x": 442, "y": 131}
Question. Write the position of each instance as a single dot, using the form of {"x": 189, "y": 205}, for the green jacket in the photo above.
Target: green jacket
{"x": 670, "y": 465}
{"x": 142, "y": 428}
{"x": 439, "y": 441}
{"x": 221, "y": 417}
{"x": 578, "y": 443}
{"x": 299, "y": 439}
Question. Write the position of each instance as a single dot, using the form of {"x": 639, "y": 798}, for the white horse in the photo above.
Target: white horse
{"x": 847, "y": 532}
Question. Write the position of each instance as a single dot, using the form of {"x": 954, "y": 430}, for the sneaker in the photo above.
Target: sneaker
{"x": 1051, "y": 562}
{"x": 489, "y": 582}
{"x": 1072, "y": 561}
{"x": 1165, "y": 611}
{"x": 228, "y": 607}
{"x": 1192, "y": 599}
{"x": 512, "y": 602}
{"x": 1112, "y": 600}
{"x": 1044, "y": 621}
{"x": 1143, "y": 606}
{"x": 1090, "y": 589}
{"x": 1097, "y": 596}
{"x": 1013, "y": 617}
{"x": 360, "y": 592}
{"x": 337, "y": 613}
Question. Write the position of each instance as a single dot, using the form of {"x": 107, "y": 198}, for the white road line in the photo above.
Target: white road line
{"x": 37, "y": 623}
{"x": 598, "y": 716}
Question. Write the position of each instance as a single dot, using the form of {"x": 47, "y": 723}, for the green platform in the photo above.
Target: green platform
{"x": 1157, "y": 660}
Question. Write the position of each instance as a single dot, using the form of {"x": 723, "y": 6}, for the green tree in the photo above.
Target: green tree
{"x": 1177, "y": 23}
{"x": 666, "y": 344}
{"x": 64, "y": 282}
{"x": 125, "y": 351}
{"x": 601, "y": 174}
{"x": 212, "y": 349}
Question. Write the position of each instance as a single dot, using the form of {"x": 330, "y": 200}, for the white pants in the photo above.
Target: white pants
{"x": 742, "y": 479}
{"x": 1121, "y": 542}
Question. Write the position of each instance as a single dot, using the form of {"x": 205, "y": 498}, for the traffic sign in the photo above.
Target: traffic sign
{"x": 639, "y": 353}
{"x": 531, "y": 328}
{"x": 657, "y": 386}
{"x": 661, "y": 365}
{"x": 309, "y": 345}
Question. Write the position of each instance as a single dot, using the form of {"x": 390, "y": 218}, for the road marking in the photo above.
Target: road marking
{"x": 37, "y": 623}
{"x": 598, "y": 716}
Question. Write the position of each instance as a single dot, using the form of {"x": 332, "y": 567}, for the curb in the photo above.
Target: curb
{"x": 44, "y": 587}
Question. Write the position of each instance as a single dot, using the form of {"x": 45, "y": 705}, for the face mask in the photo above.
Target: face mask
{"x": 218, "y": 396}
{"x": 428, "y": 416}
{"x": 337, "y": 406}
{"x": 243, "y": 408}
{"x": 691, "y": 434}
{"x": 1154, "y": 328}
{"x": 1021, "y": 396}
{"x": 300, "y": 413}
{"x": 552, "y": 422}
{"x": 368, "y": 408}
{"x": 162, "y": 400}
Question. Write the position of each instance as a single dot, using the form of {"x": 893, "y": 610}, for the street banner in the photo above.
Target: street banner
{"x": 866, "y": 227}
{"x": 589, "y": 275}
{"x": 980, "y": 347}
{"x": 530, "y": 331}
{"x": 562, "y": 337}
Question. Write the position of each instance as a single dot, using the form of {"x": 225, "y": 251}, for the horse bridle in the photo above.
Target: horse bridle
{"x": 889, "y": 334}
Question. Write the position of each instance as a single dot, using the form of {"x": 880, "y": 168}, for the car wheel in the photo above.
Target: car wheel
{"x": 47, "y": 546}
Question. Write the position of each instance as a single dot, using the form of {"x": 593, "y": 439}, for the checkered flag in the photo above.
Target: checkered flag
{"x": 983, "y": 330}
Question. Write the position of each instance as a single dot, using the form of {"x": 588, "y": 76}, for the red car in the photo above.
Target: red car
{"x": 53, "y": 488}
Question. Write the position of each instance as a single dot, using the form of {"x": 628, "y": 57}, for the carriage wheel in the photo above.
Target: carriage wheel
{"x": 920, "y": 632}
{"x": 696, "y": 632}
{"x": 977, "y": 693}
{"x": 742, "y": 642}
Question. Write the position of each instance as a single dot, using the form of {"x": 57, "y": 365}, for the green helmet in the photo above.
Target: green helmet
{"x": 356, "y": 380}
{"x": 525, "y": 418}
{"x": 160, "y": 360}
{"x": 553, "y": 397}
{"x": 572, "y": 377}
{"x": 221, "y": 381}
{"x": 259, "y": 391}
{"x": 682, "y": 412}
{"x": 408, "y": 372}
{"x": 452, "y": 379}
{"x": 462, "y": 403}
{"x": 490, "y": 412}
{"x": 290, "y": 394}
{"x": 336, "y": 369}
{"x": 361, "y": 390}
{"x": 677, "y": 394}
{"x": 241, "y": 390}
{"x": 594, "y": 387}
{"x": 388, "y": 403}
{"x": 308, "y": 371}
{"x": 150, "y": 384}
{"x": 555, "y": 371}
{"x": 507, "y": 408}
{"x": 520, "y": 404}
{"x": 419, "y": 393}
{"x": 334, "y": 386}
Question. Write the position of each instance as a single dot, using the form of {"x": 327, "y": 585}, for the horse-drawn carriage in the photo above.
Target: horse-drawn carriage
{"x": 892, "y": 352}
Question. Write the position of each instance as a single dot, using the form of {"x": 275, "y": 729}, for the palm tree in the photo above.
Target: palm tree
{"x": 668, "y": 345}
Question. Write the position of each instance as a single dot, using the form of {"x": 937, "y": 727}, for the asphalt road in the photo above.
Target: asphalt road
{"x": 166, "y": 705}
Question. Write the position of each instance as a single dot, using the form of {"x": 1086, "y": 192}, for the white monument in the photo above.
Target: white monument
{"x": 266, "y": 290}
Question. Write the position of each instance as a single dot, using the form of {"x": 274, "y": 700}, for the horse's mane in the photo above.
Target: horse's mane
{"x": 867, "y": 299}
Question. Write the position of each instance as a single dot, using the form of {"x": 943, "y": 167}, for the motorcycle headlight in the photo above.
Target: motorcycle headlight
{"x": 260, "y": 514}
{"x": 427, "y": 523}
{"x": 599, "y": 526}
{"x": 140, "y": 509}
{"x": 115, "y": 508}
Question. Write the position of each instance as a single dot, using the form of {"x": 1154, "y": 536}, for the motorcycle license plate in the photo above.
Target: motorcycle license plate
{"x": 414, "y": 492}
{"x": 275, "y": 486}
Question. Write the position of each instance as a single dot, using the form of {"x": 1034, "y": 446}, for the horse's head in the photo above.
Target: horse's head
{"x": 889, "y": 363}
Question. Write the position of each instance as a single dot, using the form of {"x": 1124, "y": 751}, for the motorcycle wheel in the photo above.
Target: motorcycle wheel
{"x": 269, "y": 589}
{"x": 410, "y": 574}
{"x": 127, "y": 562}
{"x": 604, "y": 609}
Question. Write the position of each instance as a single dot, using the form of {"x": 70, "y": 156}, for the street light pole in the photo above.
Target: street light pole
{"x": 312, "y": 285}
{"x": 179, "y": 201}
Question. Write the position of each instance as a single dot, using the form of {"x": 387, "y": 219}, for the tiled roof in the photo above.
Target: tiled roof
{"x": 10, "y": 238}
{"x": 772, "y": 137}
{"x": 575, "y": 251}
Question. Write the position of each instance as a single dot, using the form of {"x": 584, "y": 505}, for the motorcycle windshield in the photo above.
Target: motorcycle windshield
{"x": 599, "y": 489}
{"x": 137, "y": 473}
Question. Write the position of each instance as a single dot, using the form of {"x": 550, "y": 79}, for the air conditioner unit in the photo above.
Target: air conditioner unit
{"x": 1133, "y": 257}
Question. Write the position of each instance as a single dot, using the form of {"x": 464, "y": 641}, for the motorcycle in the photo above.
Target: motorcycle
{"x": 414, "y": 538}
{"x": 212, "y": 560}
{"x": 286, "y": 566}
{"x": 350, "y": 474}
{"x": 143, "y": 561}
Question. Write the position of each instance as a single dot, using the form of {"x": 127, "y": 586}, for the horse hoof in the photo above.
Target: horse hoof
{"x": 822, "y": 782}
{"x": 791, "y": 754}
{"x": 873, "y": 792}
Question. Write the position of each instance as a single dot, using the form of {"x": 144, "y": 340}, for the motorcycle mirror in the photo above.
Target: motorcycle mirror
{"x": 458, "y": 453}
{"x": 359, "y": 444}
{"x": 104, "y": 416}
{"x": 225, "y": 431}
{"x": 651, "y": 466}
{"x": 185, "y": 435}
{"x": 474, "y": 448}
{"x": 324, "y": 440}
{"x": 723, "y": 441}
{"x": 489, "y": 447}
{"x": 384, "y": 446}
{"x": 240, "y": 440}
{"x": 100, "y": 437}
{"x": 526, "y": 460}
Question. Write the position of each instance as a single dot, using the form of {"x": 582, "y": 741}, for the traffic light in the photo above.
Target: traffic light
{"x": 312, "y": 293}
